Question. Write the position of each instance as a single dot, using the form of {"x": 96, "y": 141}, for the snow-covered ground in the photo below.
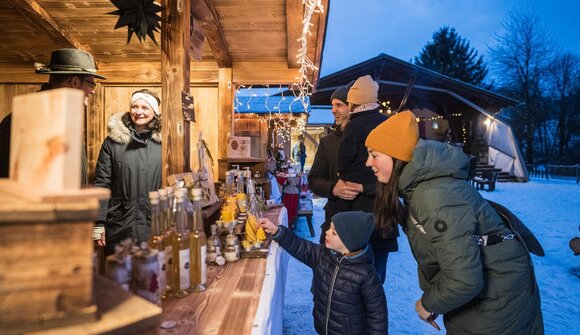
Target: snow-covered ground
{"x": 551, "y": 209}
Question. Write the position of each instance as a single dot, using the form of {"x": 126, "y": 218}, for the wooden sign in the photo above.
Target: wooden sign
{"x": 46, "y": 139}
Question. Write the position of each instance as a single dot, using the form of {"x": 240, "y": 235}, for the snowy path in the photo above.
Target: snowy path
{"x": 551, "y": 209}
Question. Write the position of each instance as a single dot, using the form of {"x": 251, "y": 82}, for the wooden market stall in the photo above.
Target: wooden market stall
{"x": 204, "y": 49}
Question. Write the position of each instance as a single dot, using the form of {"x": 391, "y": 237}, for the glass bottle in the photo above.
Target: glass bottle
{"x": 198, "y": 245}
{"x": 167, "y": 230}
{"x": 214, "y": 246}
{"x": 157, "y": 243}
{"x": 181, "y": 252}
{"x": 232, "y": 249}
{"x": 146, "y": 274}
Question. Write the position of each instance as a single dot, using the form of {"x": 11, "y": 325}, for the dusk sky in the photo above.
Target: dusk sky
{"x": 361, "y": 29}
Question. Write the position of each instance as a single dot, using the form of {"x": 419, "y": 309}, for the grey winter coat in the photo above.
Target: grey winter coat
{"x": 130, "y": 166}
{"x": 348, "y": 295}
{"x": 479, "y": 289}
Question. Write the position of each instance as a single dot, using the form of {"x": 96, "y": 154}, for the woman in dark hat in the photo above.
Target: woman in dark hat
{"x": 129, "y": 165}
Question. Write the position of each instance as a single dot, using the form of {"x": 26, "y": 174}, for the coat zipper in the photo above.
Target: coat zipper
{"x": 330, "y": 295}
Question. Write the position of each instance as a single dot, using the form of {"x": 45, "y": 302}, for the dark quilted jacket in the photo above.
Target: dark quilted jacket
{"x": 348, "y": 295}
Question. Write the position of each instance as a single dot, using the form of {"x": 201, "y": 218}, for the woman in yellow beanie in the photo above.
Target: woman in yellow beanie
{"x": 471, "y": 268}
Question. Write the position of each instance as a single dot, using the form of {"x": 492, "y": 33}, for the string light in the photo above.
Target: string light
{"x": 282, "y": 124}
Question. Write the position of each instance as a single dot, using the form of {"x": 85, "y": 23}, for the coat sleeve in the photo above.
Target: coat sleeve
{"x": 319, "y": 179}
{"x": 455, "y": 250}
{"x": 104, "y": 174}
{"x": 375, "y": 302}
{"x": 301, "y": 249}
{"x": 347, "y": 149}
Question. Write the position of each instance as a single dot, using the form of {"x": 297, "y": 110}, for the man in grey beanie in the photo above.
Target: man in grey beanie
{"x": 323, "y": 181}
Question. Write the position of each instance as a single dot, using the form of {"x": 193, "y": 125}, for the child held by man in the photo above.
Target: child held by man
{"x": 348, "y": 295}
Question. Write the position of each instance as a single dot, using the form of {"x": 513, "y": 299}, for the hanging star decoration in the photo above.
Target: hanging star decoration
{"x": 140, "y": 17}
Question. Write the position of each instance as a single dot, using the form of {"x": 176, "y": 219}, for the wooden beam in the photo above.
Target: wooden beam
{"x": 322, "y": 21}
{"x": 38, "y": 16}
{"x": 225, "y": 98}
{"x": 294, "y": 17}
{"x": 138, "y": 73}
{"x": 264, "y": 73}
{"x": 204, "y": 11}
{"x": 174, "y": 81}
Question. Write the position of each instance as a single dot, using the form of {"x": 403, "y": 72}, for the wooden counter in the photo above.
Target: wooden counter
{"x": 237, "y": 293}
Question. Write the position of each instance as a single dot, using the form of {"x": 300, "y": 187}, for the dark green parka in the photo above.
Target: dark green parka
{"x": 478, "y": 289}
{"x": 130, "y": 166}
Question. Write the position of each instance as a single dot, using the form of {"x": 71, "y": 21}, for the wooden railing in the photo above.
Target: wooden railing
{"x": 549, "y": 171}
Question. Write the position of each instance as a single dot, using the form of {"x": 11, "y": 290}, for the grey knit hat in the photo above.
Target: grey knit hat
{"x": 341, "y": 93}
{"x": 354, "y": 228}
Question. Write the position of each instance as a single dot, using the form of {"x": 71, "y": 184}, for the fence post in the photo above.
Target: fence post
{"x": 577, "y": 174}
{"x": 548, "y": 172}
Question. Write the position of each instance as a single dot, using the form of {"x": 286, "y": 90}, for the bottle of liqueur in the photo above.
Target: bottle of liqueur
{"x": 167, "y": 224}
{"x": 157, "y": 242}
{"x": 198, "y": 245}
{"x": 146, "y": 274}
{"x": 181, "y": 252}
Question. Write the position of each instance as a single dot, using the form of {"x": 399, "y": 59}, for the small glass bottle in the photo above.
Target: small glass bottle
{"x": 181, "y": 248}
{"x": 232, "y": 249}
{"x": 157, "y": 242}
{"x": 214, "y": 246}
{"x": 198, "y": 245}
{"x": 166, "y": 226}
{"x": 146, "y": 274}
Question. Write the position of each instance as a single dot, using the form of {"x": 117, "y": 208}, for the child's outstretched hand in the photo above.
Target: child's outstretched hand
{"x": 268, "y": 226}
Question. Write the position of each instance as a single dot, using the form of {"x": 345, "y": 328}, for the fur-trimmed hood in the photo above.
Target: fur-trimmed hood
{"x": 120, "y": 133}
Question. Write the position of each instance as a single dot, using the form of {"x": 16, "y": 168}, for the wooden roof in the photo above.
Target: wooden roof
{"x": 430, "y": 88}
{"x": 244, "y": 35}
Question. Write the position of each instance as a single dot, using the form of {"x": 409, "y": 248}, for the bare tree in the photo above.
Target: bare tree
{"x": 564, "y": 83}
{"x": 520, "y": 57}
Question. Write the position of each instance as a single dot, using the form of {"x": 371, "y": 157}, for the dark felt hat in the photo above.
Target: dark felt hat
{"x": 354, "y": 228}
{"x": 70, "y": 61}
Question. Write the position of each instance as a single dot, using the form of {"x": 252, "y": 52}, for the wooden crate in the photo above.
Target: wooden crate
{"x": 46, "y": 252}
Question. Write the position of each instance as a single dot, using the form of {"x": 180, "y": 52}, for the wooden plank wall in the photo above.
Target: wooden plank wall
{"x": 116, "y": 98}
{"x": 113, "y": 99}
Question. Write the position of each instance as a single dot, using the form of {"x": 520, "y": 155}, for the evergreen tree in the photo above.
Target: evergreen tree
{"x": 451, "y": 55}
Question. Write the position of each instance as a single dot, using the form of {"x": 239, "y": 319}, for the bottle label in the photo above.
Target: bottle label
{"x": 203, "y": 264}
{"x": 169, "y": 261}
{"x": 184, "y": 276}
{"x": 163, "y": 267}
{"x": 146, "y": 278}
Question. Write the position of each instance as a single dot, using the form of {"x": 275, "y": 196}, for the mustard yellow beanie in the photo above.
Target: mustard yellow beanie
{"x": 364, "y": 90}
{"x": 396, "y": 137}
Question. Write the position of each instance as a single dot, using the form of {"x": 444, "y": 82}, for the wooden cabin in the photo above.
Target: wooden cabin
{"x": 440, "y": 103}
{"x": 205, "y": 48}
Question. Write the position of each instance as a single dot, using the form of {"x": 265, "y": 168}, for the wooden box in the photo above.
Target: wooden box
{"x": 46, "y": 259}
{"x": 46, "y": 139}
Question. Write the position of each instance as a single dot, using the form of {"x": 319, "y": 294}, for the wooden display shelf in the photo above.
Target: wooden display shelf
{"x": 119, "y": 313}
{"x": 229, "y": 304}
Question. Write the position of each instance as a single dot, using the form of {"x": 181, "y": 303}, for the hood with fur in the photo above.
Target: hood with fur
{"x": 120, "y": 133}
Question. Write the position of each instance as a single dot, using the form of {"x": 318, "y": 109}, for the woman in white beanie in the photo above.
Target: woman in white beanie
{"x": 129, "y": 165}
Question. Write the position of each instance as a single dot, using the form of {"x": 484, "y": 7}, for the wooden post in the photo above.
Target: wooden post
{"x": 174, "y": 80}
{"x": 226, "y": 98}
